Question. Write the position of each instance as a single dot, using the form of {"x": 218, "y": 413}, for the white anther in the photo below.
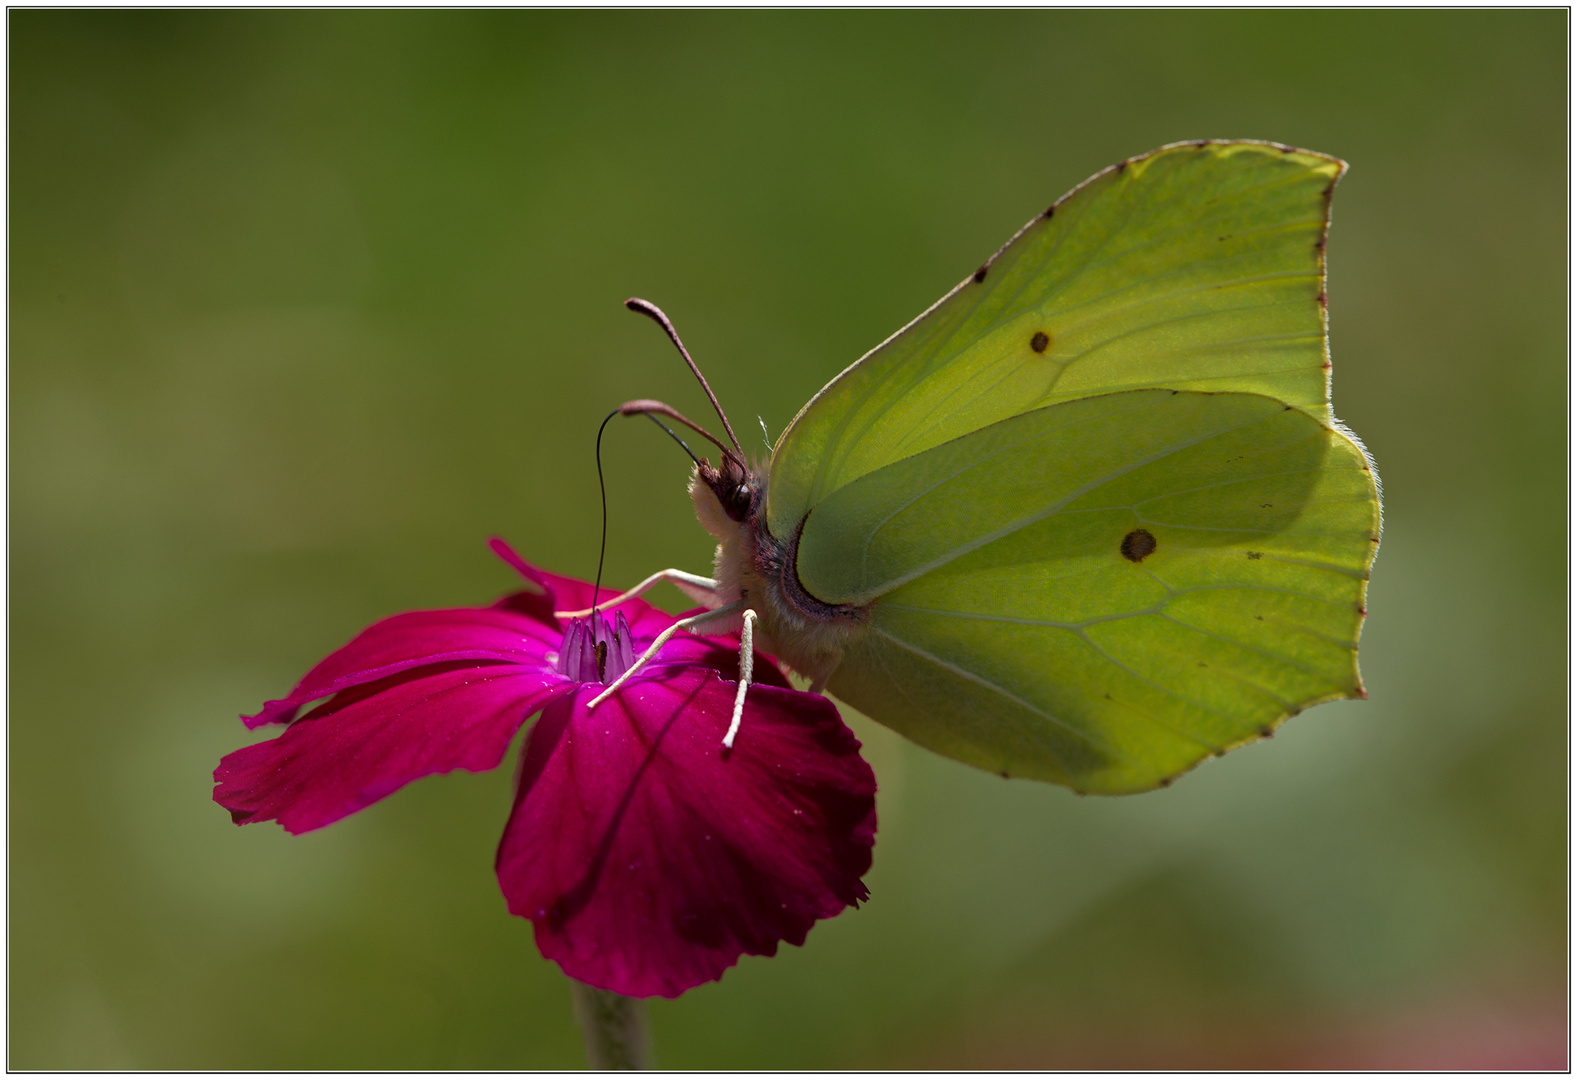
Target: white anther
{"x": 747, "y": 665}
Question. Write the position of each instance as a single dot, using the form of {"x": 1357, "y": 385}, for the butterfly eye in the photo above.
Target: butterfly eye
{"x": 739, "y": 501}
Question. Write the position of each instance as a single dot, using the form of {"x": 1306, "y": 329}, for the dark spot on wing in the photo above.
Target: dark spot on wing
{"x": 1261, "y": 618}
{"x": 1050, "y": 210}
{"x": 980, "y": 275}
{"x": 1121, "y": 165}
{"x": 1167, "y": 781}
{"x": 1321, "y": 299}
{"x": 1266, "y": 732}
{"x": 1319, "y": 245}
{"x": 1201, "y": 143}
{"x": 1137, "y": 545}
{"x": 1253, "y": 554}
{"x": 1040, "y": 341}
{"x": 1328, "y": 189}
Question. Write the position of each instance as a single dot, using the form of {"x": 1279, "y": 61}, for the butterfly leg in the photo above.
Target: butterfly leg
{"x": 702, "y": 590}
{"x": 662, "y": 639}
{"x": 747, "y": 663}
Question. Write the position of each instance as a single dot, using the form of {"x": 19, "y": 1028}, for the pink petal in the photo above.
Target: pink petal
{"x": 377, "y": 737}
{"x": 568, "y": 594}
{"x": 649, "y": 858}
{"x": 418, "y": 638}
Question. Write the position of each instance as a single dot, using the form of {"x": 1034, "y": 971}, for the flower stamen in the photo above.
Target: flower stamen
{"x": 661, "y": 640}
{"x": 593, "y": 650}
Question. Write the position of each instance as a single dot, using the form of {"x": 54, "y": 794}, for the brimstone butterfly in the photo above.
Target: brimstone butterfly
{"x": 1089, "y": 518}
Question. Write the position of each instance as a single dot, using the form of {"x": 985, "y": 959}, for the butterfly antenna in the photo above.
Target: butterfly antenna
{"x": 648, "y": 407}
{"x": 655, "y": 313}
{"x": 602, "y": 488}
{"x": 683, "y": 445}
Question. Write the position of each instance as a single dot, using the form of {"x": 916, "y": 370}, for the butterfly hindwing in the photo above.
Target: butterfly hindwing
{"x": 1104, "y": 591}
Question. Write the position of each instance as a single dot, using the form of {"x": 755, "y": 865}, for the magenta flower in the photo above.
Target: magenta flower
{"x": 647, "y": 857}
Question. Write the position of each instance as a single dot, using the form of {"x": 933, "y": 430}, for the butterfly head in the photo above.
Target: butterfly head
{"x": 735, "y": 485}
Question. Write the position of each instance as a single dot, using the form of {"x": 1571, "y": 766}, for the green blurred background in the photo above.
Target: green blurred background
{"x": 306, "y": 305}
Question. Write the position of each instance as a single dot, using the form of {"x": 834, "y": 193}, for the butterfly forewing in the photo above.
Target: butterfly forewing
{"x": 1197, "y": 267}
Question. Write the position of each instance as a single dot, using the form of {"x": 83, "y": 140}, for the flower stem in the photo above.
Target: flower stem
{"x": 614, "y": 1026}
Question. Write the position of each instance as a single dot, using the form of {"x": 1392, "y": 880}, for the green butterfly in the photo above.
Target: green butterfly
{"x": 1089, "y": 518}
